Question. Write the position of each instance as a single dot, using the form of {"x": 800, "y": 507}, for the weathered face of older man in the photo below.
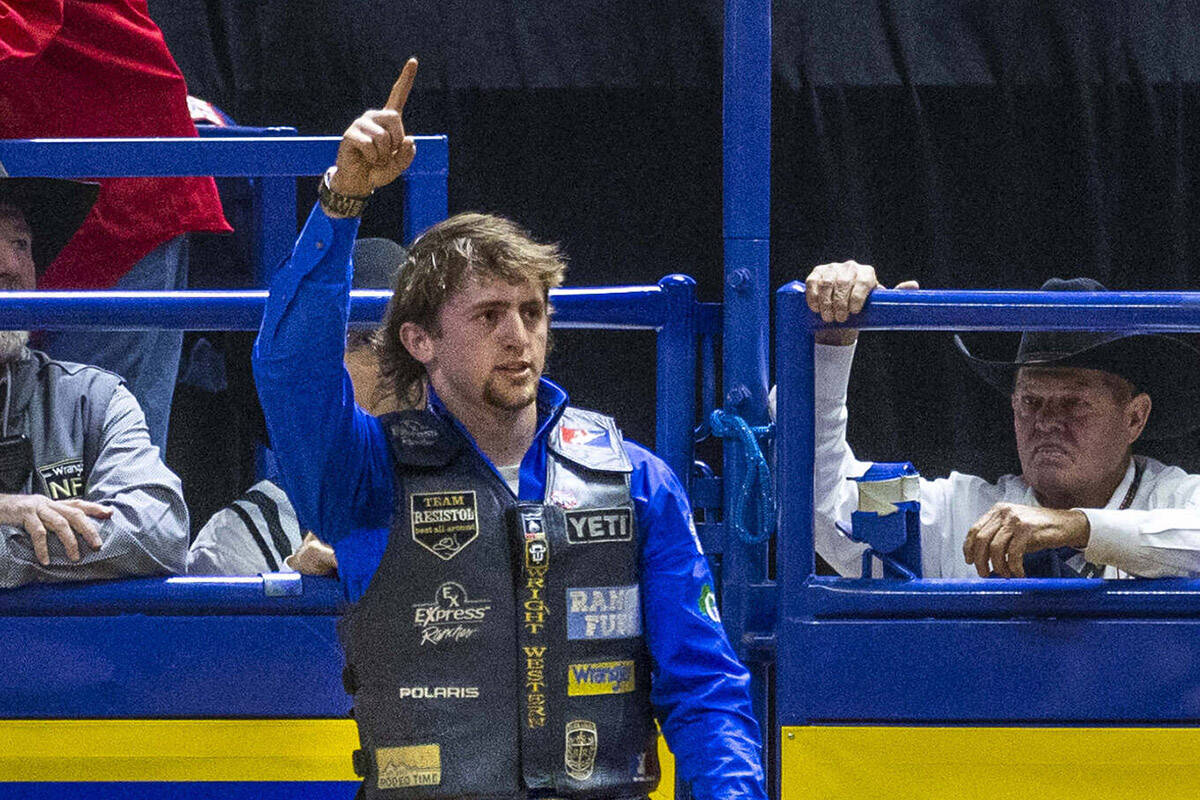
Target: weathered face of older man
{"x": 16, "y": 250}
{"x": 1074, "y": 429}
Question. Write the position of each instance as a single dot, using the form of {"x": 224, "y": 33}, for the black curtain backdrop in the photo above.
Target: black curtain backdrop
{"x": 964, "y": 144}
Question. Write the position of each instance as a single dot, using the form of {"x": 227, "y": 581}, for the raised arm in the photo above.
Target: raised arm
{"x": 332, "y": 456}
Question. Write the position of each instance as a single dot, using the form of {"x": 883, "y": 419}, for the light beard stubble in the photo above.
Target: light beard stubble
{"x": 497, "y": 399}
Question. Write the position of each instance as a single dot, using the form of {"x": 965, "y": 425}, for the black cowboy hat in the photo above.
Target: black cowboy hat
{"x": 1163, "y": 367}
{"x": 54, "y": 208}
{"x": 376, "y": 260}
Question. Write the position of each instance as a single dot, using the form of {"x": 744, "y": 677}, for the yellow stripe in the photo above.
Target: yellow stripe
{"x": 989, "y": 763}
{"x": 194, "y": 750}
{"x": 177, "y": 750}
{"x": 666, "y": 763}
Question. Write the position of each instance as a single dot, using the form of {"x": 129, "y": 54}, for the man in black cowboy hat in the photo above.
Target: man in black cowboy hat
{"x": 83, "y": 493}
{"x": 1083, "y": 505}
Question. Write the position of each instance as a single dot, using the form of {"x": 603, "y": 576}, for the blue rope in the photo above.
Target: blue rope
{"x": 756, "y": 478}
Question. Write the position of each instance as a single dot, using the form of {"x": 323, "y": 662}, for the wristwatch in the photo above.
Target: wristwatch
{"x": 339, "y": 205}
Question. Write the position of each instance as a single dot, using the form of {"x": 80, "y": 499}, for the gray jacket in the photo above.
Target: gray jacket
{"x": 89, "y": 440}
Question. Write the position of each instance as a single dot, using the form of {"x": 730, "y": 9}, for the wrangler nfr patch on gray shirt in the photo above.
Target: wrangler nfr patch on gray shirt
{"x": 89, "y": 441}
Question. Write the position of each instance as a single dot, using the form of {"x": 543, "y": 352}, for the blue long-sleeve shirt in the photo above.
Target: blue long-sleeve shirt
{"x": 335, "y": 464}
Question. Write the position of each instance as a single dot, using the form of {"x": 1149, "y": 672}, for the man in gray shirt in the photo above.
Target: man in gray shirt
{"x": 83, "y": 493}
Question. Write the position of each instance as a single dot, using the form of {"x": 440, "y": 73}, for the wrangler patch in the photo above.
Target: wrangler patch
{"x": 604, "y": 612}
{"x": 443, "y": 522}
{"x": 416, "y": 765}
{"x": 599, "y": 525}
{"x": 600, "y": 678}
{"x": 64, "y": 479}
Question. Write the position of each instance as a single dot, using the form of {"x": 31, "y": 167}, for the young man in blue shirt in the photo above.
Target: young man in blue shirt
{"x": 528, "y": 586}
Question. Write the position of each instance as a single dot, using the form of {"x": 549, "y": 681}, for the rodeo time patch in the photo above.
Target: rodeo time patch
{"x": 402, "y": 767}
{"x": 443, "y": 522}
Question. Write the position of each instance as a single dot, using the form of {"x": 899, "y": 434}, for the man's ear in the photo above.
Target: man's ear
{"x": 417, "y": 342}
{"x": 1137, "y": 413}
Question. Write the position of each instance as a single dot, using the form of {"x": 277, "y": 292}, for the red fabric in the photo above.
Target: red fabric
{"x": 84, "y": 68}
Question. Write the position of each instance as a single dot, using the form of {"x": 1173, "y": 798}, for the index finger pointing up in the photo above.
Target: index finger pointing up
{"x": 402, "y": 86}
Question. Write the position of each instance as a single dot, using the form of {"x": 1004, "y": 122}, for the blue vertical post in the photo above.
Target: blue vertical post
{"x": 275, "y": 218}
{"x": 676, "y": 380}
{"x": 794, "y": 450}
{"x": 747, "y": 192}
{"x": 747, "y": 219}
{"x": 274, "y": 215}
{"x": 426, "y": 193}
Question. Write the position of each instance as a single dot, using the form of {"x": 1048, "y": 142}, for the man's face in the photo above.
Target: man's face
{"x": 1073, "y": 430}
{"x": 16, "y": 250}
{"x": 490, "y": 348}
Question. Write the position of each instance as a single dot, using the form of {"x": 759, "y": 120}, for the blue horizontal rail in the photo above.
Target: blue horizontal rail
{"x": 853, "y": 598}
{"x": 177, "y": 596}
{"x": 219, "y": 156}
{"x": 956, "y": 310}
{"x": 608, "y": 308}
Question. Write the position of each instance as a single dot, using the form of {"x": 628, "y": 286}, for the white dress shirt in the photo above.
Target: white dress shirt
{"x": 1158, "y": 535}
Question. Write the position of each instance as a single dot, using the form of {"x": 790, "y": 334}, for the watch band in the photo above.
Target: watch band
{"x": 339, "y": 205}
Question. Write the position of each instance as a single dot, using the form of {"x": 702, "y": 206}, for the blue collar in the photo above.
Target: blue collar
{"x": 551, "y": 400}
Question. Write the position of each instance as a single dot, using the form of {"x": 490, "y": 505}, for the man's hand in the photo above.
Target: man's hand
{"x": 66, "y": 518}
{"x": 1008, "y": 531}
{"x": 374, "y": 149}
{"x": 835, "y": 291}
{"x": 313, "y": 558}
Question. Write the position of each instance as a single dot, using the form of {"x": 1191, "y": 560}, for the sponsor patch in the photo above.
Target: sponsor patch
{"x": 537, "y": 564}
{"x": 413, "y": 434}
{"x": 534, "y": 611}
{"x": 604, "y": 612}
{"x": 599, "y": 525}
{"x": 531, "y": 524}
{"x": 64, "y": 479}
{"x": 443, "y": 522}
{"x": 708, "y": 603}
{"x": 415, "y": 765}
{"x": 585, "y": 437}
{"x": 600, "y": 678}
{"x": 535, "y": 686}
{"x": 438, "y": 692}
{"x": 451, "y": 617}
{"x": 581, "y": 746}
{"x": 563, "y": 499}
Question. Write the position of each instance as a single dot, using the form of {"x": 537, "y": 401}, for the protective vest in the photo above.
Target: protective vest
{"x": 498, "y": 650}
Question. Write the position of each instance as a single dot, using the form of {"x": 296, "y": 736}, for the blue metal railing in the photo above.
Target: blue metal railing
{"x": 808, "y": 595}
{"x": 273, "y": 160}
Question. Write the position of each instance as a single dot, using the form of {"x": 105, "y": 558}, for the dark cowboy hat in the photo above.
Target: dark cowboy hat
{"x": 376, "y": 260}
{"x": 54, "y": 208}
{"x": 1163, "y": 367}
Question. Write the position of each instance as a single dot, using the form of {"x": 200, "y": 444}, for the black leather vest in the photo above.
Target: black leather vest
{"x": 498, "y": 650}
